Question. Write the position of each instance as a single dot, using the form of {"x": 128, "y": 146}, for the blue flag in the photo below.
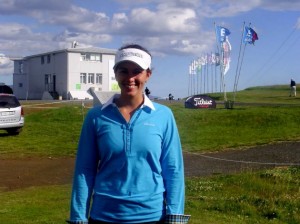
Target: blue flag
{"x": 222, "y": 33}
{"x": 250, "y": 36}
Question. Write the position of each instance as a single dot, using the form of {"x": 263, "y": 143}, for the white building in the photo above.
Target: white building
{"x": 64, "y": 74}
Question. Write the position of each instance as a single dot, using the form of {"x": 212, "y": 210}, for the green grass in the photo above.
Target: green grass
{"x": 212, "y": 130}
{"x": 55, "y": 132}
{"x": 40, "y": 205}
{"x": 48, "y": 132}
{"x": 262, "y": 94}
{"x": 270, "y": 196}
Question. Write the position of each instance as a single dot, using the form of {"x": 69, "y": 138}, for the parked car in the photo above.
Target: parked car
{"x": 11, "y": 114}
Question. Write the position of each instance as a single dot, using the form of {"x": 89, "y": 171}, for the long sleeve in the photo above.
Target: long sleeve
{"x": 85, "y": 171}
{"x": 173, "y": 169}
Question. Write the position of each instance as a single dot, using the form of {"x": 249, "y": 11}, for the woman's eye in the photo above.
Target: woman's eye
{"x": 126, "y": 72}
{"x": 137, "y": 71}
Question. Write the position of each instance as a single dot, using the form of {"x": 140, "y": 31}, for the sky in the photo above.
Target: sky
{"x": 176, "y": 32}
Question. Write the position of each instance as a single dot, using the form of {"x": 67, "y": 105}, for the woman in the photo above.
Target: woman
{"x": 129, "y": 166}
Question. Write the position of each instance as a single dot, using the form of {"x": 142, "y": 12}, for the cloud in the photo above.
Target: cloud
{"x": 32, "y": 7}
{"x": 15, "y": 31}
{"x": 78, "y": 19}
{"x": 17, "y": 39}
{"x": 171, "y": 20}
{"x": 281, "y": 5}
{"x": 188, "y": 44}
{"x": 4, "y": 61}
{"x": 164, "y": 30}
{"x": 228, "y": 8}
{"x": 142, "y": 21}
{"x": 84, "y": 39}
{"x": 6, "y": 65}
{"x": 167, "y": 27}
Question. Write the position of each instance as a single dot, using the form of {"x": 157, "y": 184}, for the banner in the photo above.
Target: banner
{"x": 200, "y": 101}
{"x": 250, "y": 36}
{"x": 217, "y": 59}
{"x": 226, "y": 50}
{"x": 222, "y": 33}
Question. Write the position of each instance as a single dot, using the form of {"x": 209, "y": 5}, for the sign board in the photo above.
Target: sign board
{"x": 78, "y": 86}
{"x": 200, "y": 102}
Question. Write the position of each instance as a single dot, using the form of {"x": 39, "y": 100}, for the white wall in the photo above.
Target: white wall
{"x": 66, "y": 67}
{"x": 20, "y": 86}
{"x": 60, "y": 70}
{"x": 76, "y": 67}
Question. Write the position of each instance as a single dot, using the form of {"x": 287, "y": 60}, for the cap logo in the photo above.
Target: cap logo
{"x": 130, "y": 54}
{"x": 139, "y": 57}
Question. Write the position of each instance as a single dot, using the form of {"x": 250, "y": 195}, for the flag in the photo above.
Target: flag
{"x": 217, "y": 59}
{"x": 190, "y": 69}
{"x": 199, "y": 65}
{"x": 226, "y": 50}
{"x": 213, "y": 58}
{"x": 222, "y": 33}
{"x": 194, "y": 67}
{"x": 250, "y": 36}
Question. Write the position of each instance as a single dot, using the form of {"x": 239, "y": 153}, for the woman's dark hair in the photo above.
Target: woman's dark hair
{"x": 136, "y": 46}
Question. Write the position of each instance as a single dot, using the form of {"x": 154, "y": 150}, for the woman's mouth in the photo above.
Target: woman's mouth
{"x": 129, "y": 86}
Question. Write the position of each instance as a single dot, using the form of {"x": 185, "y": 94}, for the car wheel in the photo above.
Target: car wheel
{"x": 14, "y": 131}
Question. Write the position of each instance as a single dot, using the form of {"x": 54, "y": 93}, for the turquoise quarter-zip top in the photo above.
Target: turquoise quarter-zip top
{"x": 132, "y": 170}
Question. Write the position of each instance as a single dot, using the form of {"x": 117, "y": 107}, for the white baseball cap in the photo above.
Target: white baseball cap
{"x": 137, "y": 56}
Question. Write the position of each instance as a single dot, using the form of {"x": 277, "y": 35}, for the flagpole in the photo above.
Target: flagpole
{"x": 211, "y": 74}
{"x": 190, "y": 80}
{"x": 215, "y": 72}
{"x": 223, "y": 74}
{"x": 194, "y": 80}
{"x": 202, "y": 78}
{"x": 222, "y": 84}
{"x": 238, "y": 65}
{"x": 197, "y": 73}
{"x": 239, "y": 73}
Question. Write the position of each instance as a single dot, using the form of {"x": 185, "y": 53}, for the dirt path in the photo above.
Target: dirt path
{"x": 22, "y": 173}
{"x": 228, "y": 162}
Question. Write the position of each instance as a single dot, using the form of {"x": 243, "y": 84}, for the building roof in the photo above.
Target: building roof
{"x": 78, "y": 50}
{"x": 92, "y": 50}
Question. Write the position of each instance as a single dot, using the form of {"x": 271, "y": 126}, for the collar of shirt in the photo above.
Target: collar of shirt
{"x": 147, "y": 102}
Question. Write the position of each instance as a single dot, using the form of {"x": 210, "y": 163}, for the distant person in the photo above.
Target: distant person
{"x": 129, "y": 166}
{"x": 171, "y": 97}
{"x": 293, "y": 88}
{"x": 147, "y": 92}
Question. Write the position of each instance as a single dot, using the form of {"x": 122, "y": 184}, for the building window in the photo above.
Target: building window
{"x": 42, "y": 59}
{"x": 83, "y": 57}
{"x": 20, "y": 85}
{"x": 21, "y": 67}
{"x": 82, "y": 77}
{"x": 95, "y": 57}
{"x": 91, "y": 78}
{"x": 99, "y": 78}
{"x": 48, "y": 81}
{"x": 90, "y": 57}
{"x": 48, "y": 58}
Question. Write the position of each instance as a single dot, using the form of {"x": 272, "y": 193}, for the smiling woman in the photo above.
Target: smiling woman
{"x": 129, "y": 159}
{"x": 132, "y": 70}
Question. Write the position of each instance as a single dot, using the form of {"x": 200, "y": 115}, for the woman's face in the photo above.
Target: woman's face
{"x": 131, "y": 78}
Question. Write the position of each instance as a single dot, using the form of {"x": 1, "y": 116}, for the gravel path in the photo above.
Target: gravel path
{"x": 22, "y": 173}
